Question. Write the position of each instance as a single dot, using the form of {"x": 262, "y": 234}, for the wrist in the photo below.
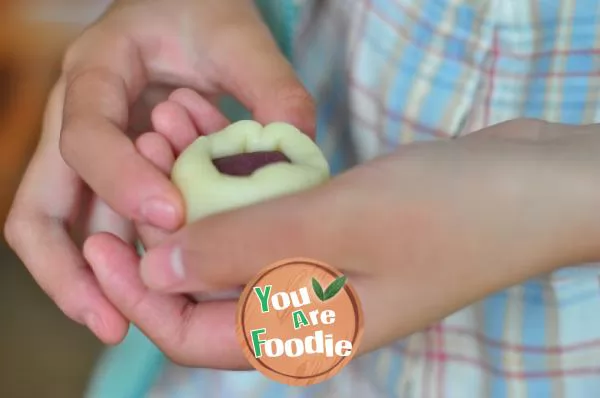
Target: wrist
{"x": 570, "y": 178}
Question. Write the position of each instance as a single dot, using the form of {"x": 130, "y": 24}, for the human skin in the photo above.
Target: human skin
{"x": 451, "y": 222}
{"x": 88, "y": 172}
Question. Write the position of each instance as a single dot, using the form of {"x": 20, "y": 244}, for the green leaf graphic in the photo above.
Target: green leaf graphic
{"x": 335, "y": 287}
{"x": 317, "y": 288}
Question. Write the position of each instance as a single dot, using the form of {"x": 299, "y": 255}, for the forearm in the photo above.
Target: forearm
{"x": 546, "y": 217}
{"x": 534, "y": 211}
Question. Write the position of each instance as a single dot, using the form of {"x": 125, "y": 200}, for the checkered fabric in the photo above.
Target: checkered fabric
{"x": 390, "y": 72}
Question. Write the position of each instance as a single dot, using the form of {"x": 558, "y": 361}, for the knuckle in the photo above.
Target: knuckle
{"x": 16, "y": 228}
{"x": 136, "y": 302}
{"x": 177, "y": 347}
{"x": 295, "y": 104}
{"x": 291, "y": 91}
{"x": 17, "y": 231}
{"x": 20, "y": 230}
{"x": 76, "y": 52}
{"x": 99, "y": 36}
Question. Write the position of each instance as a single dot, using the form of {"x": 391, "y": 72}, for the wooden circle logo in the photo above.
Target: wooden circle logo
{"x": 299, "y": 322}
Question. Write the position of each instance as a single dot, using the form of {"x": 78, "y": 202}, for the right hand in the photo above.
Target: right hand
{"x": 214, "y": 47}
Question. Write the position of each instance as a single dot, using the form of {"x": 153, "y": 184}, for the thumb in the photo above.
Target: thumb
{"x": 226, "y": 250}
{"x": 257, "y": 74}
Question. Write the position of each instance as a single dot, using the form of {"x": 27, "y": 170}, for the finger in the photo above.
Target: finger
{"x": 199, "y": 335}
{"x": 104, "y": 78}
{"x": 44, "y": 206}
{"x": 100, "y": 217}
{"x": 185, "y": 116}
{"x": 226, "y": 250}
{"x": 172, "y": 121}
{"x": 262, "y": 79}
{"x": 156, "y": 149}
{"x": 204, "y": 114}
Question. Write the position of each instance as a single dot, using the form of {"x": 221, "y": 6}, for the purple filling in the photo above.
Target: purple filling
{"x": 244, "y": 164}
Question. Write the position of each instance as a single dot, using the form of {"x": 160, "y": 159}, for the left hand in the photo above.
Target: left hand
{"x": 427, "y": 230}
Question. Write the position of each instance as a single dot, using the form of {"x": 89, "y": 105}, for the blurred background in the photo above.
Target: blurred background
{"x": 42, "y": 353}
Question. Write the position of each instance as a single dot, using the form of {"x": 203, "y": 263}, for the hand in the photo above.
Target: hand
{"x": 451, "y": 223}
{"x": 129, "y": 59}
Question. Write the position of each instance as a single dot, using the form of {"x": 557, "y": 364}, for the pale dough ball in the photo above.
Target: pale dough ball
{"x": 207, "y": 191}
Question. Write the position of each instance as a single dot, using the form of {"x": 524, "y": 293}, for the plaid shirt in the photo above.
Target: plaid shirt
{"x": 389, "y": 72}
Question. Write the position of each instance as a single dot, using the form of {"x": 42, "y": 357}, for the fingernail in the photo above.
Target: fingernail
{"x": 159, "y": 213}
{"x": 163, "y": 268}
